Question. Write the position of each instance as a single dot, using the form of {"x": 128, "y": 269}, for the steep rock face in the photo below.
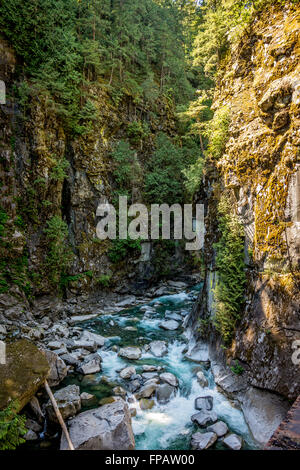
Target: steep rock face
{"x": 260, "y": 170}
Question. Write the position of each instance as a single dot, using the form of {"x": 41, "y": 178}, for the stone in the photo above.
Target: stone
{"x": 169, "y": 378}
{"x": 36, "y": 409}
{"x": 173, "y": 316}
{"x": 87, "y": 399}
{"x": 132, "y": 412}
{"x": 149, "y": 375}
{"x": 202, "y": 380}
{"x": 146, "y": 404}
{"x": 24, "y": 372}
{"x": 93, "y": 337}
{"x": 119, "y": 391}
{"x": 84, "y": 344}
{"x": 130, "y": 328}
{"x": 204, "y": 418}
{"x": 151, "y": 368}
{"x": 68, "y": 401}
{"x": 3, "y": 330}
{"x": 70, "y": 359}
{"x": 127, "y": 372}
{"x": 164, "y": 392}
{"x": 158, "y": 348}
{"x": 104, "y": 428}
{"x": 56, "y": 345}
{"x": 91, "y": 365}
{"x": 131, "y": 353}
{"x": 202, "y": 441}
{"x": 80, "y": 318}
{"x": 33, "y": 426}
{"x": 219, "y": 428}
{"x": 204, "y": 403}
{"x": 130, "y": 300}
{"x": 233, "y": 442}
{"x": 134, "y": 386}
{"x": 146, "y": 391}
{"x": 58, "y": 368}
{"x": 31, "y": 436}
{"x": 169, "y": 325}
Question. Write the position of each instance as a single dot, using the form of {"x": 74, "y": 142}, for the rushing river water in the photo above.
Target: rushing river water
{"x": 165, "y": 426}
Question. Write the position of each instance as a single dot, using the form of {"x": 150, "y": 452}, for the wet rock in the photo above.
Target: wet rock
{"x": 178, "y": 284}
{"x": 202, "y": 380}
{"x": 169, "y": 325}
{"x": 87, "y": 399}
{"x": 149, "y": 375}
{"x": 173, "y": 316}
{"x": 105, "y": 428}
{"x": 169, "y": 378}
{"x": 146, "y": 391}
{"x": 119, "y": 391}
{"x": 204, "y": 403}
{"x": 134, "y": 386}
{"x": 164, "y": 392}
{"x": 132, "y": 412}
{"x": 31, "y": 436}
{"x": 33, "y": 426}
{"x": 146, "y": 404}
{"x": 220, "y": 428}
{"x": 68, "y": 402}
{"x": 25, "y": 371}
{"x": 202, "y": 441}
{"x": 58, "y": 368}
{"x": 204, "y": 418}
{"x": 233, "y": 442}
{"x": 91, "y": 365}
{"x": 131, "y": 353}
{"x": 127, "y": 372}
{"x": 151, "y": 368}
{"x": 93, "y": 338}
{"x": 158, "y": 348}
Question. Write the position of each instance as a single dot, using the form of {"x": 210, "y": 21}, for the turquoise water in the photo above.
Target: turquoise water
{"x": 165, "y": 426}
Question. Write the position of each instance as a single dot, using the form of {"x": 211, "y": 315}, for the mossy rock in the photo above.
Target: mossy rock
{"x": 25, "y": 371}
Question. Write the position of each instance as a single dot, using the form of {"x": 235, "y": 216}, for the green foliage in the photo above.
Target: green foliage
{"x": 12, "y": 427}
{"x": 217, "y": 132}
{"x": 59, "y": 253}
{"x": 128, "y": 172}
{"x": 193, "y": 176}
{"x": 58, "y": 172}
{"x": 122, "y": 249}
{"x": 231, "y": 279}
{"x": 237, "y": 368}
{"x": 3, "y": 220}
{"x": 137, "y": 131}
{"x": 104, "y": 280}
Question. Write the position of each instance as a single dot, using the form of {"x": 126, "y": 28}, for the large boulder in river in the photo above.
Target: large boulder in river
{"x": 58, "y": 368}
{"x": 204, "y": 418}
{"x": 233, "y": 442}
{"x": 68, "y": 401}
{"x": 131, "y": 353}
{"x": 127, "y": 372}
{"x": 104, "y": 428}
{"x": 93, "y": 337}
{"x": 220, "y": 428}
{"x": 204, "y": 403}
{"x": 164, "y": 392}
{"x": 24, "y": 371}
{"x": 202, "y": 441}
{"x": 169, "y": 325}
{"x": 169, "y": 378}
{"x": 158, "y": 348}
{"x": 91, "y": 364}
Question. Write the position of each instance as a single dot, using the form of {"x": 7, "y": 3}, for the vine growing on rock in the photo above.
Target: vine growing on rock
{"x": 230, "y": 265}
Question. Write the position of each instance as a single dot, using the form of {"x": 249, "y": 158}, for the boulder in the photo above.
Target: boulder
{"x": 70, "y": 359}
{"x": 233, "y": 442}
{"x": 150, "y": 368}
{"x": 80, "y": 318}
{"x": 130, "y": 300}
{"x": 134, "y": 385}
{"x": 164, "y": 393}
{"x": 146, "y": 391}
{"x": 68, "y": 401}
{"x": 84, "y": 344}
{"x": 149, "y": 375}
{"x": 33, "y": 426}
{"x": 58, "y": 368}
{"x": 31, "y": 435}
{"x": 24, "y": 372}
{"x": 146, "y": 404}
{"x": 204, "y": 418}
{"x": 93, "y": 337}
{"x": 127, "y": 372}
{"x": 169, "y": 378}
{"x": 131, "y": 353}
{"x": 202, "y": 441}
{"x": 204, "y": 403}
{"x": 158, "y": 348}
{"x": 202, "y": 380}
{"x": 173, "y": 316}
{"x": 87, "y": 399}
{"x": 220, "y": 428}
{"x": 169, "y": 325}
{"x": 119, "y": 391}
{"x": 105, "y": 428}
{"x": 91, "y": 365}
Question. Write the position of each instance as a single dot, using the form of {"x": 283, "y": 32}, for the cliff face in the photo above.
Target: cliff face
{"x": 260, "y": 171}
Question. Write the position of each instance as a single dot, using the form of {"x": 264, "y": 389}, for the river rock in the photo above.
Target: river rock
{"x": 164, "y": 392}
{"x": 202, "y": 441}
{"x": 173, "y": 316}
{"x": 233, "y": 442}
{"x": 134, "y": 385}
{"x": 220, "y": 428}
{"x": 169, "y": 378}
{"x": 56, "y": 345}
{"x": 91, "y": 365}
{"x": 204, "y": 418}
{"x": 79, "y": 318}
{"x": 204, "y": 403}
{"x": 58, "y": 368}
{"x": 31, "y": 435}
{"x": 131, "y": 353}
{"x": 127, "y": 372}
{"x": 68, "y": 402}
{"x": 130, "y": 300}
{"x": 146, "y": 404}
{"x": 93, "y": 337}
{"x": 33, "y": 426}
{"x": 146, "y": 391}
{"x": 25, "y": 370}
{"x": 202, "y": 380}
{"x": 70, "y": 359}
{"x": 87, "y": 399}
{"x": 149, "y": 375}
{"x": 158, "y": 348}
{"x": 151, "y": 368}
{"x": 105, "y": 428}
{"x": 169, "y": 325}
{"x": 84, "y": 344}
